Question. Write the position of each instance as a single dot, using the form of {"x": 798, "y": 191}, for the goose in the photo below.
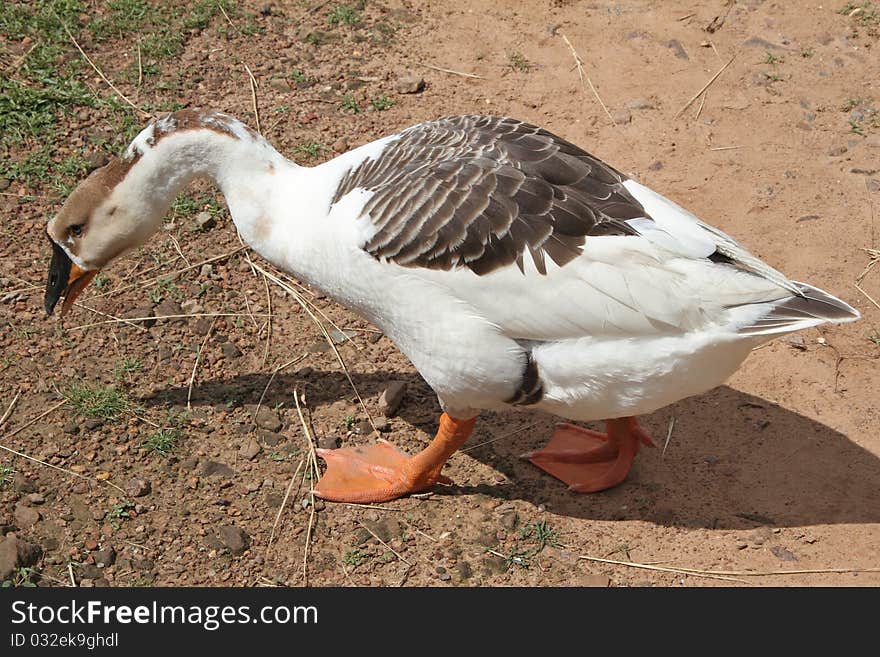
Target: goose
{"x": 514, "y": 270}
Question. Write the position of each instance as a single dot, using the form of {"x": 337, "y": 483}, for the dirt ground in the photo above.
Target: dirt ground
{"x": 779, "y": 470}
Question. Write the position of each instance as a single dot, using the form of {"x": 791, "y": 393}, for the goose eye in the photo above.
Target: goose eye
{"x": 76, "y": 230}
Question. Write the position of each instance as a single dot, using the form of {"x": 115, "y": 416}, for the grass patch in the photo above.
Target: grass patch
{"x": 518, "y": 62}
{"x": 864, "y": 13}
{"x": 343, "y": 15}
{"x": 21, "y": 577}
{"x": 355, "y": 557}
{"x": 874, "y": 337}
{"x": 349, "y": 104}
{"x": 310, "y": 149}
{"x": 381, "y": 103}
{"x": 538, "y": 533}
{"x": 118, "y": 513}
{"x": 6, "y": 475}
{"x": 97, "y": 401}
{"x": 164, "y": 441}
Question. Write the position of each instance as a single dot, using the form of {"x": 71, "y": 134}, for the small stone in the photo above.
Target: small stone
{"x": 509, "y": 520}
{"x": 328, "y": 442}
{"x": 493, "y": 564}
{"x": 409, "y": 84}
{"x": 837, "y": 151}
{"x": 35, "y": 498}
{"x": 783, "y": 554}
{"x": 70, "y": 428}
{"x": 464, "y": 570}
{"x": 380, "y": 422}
{"x": 272, "y": 439}
{"x": 206, "y": 271}
{"x": 385, "y": 529}
{"x": 677, "y": 48}
{"x": 741, "y": 545}
{"x": 145, "y": 311}
{"x": 25, "y": 516}
{"x": 90, "y": 571}
{"x": 170, "y": 308}
{"x": 102, "y": 582}
{"x": 137, "y": 487}
{"x": 4, "y": 184}
{"x": 340, "y": 145}
{"x": 96, "y": 160}
{"x": 205, "y": 221}
{"x": 250, "y": 450}
{"x": 268, "y": 419}
{"x": 621, "y": 116}
{"x": 214, "y": 468}
{"x": 90, "y": 544}
{"x": 105, "y": 557}
{"x": 487, "y": 538}
{"x": 22, "y": 484}
{"x": 796, "y": 341}
{"x": 234, "y": 538}
{"x": 281, "y": 85}
{"x": 640, "y": 104}
{"x": 17, "y": 553}
{"x": 390, "y": 397}
{"x": 656, "y": 165}
{"x": 93, "y": 423}
{"x": 230, "y": 350}
{"x": 202, "y": 326}
{"x": 761, "y": 535}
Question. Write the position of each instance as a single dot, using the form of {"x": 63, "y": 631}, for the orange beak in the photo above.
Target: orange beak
{"x": 65, "y": 278}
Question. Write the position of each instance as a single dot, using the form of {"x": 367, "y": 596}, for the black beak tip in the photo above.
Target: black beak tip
{"x": 56, "y": 283}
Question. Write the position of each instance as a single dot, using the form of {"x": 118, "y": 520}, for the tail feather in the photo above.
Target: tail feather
{"x": 809, "y": 308}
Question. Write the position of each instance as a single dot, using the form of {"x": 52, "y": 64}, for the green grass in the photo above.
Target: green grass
{"x": 310, "y": 149}
{"x": 381, "y": 103}
{"x": 538, "y": 533}
{"x": 355, "y": 557}
{"x": 126, "y": 367}
{"x": 97, "y": 400}
{"x": 773, "y": 59}
{"x": 118, "y": 513}
{"x": 864, "y": 13}
{"x": 343, "y": 15}
{"x": 164, "y": 441}
{"x": 21, "y": 577}
{"x": 349, "y": 104}
{"x": 6, "y": 475}
{"x": 874, "y": 337}
{"x": 518, "y": 62}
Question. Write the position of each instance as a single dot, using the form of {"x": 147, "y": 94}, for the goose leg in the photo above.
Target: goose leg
{"x": 590, "y": 461}
{"x": 381, "y": 472}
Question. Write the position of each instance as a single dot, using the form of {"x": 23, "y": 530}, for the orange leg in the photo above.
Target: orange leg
{"x": 589, "y": 461}
{"x": 378, "y": 473}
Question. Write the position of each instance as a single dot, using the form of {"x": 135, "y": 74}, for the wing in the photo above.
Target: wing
{"x": 481, "y": 192}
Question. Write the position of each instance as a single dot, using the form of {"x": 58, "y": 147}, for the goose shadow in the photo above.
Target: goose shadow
{"x": 733, "y": 461}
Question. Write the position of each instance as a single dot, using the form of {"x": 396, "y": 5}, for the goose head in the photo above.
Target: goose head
{"x": 99, "y": 221}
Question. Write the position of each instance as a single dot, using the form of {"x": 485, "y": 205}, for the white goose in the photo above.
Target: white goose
{"x": 512, "y": 268}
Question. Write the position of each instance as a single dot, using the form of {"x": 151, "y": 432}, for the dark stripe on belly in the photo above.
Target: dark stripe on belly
{"x": 531, "y": 388}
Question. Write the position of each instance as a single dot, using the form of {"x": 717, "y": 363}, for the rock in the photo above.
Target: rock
{"x": 837, "y": 151}
{"x": 328, "y": 442}
{"x": 215, "y": 468}
{"x": 409, "y": 84}
{"x": 740, "y": 545}
{"x": 487, "y": 537}
{"x": 381, "y": 423}
{"x": 390, "y": 397}
{"x": 206, "y": 271}
{"x": 783, "y": 554}
{"x": 280, "y": 84}
{"x": 656, "y": 165}
{"x": 96, "y": 160}
{"x": 4, "y": 184}
{"x": 102, "y": 582}
{"x": 340, "y": 145}
{"x": 622, "y": 116}
{"x": 70, "y": 428}
{"x": 169, "y": 307}
{"x": 230, "y": 350}
{"x": 761, "y": 535}
{"x": 250, "y": 449}
{"x": 142, "y": 563}
{"x": 17, "y": 553}
{"x": 192, "y": 307}
{"x": 35, "y": 498}
{"x": 137, "y": 487}
{"x": 493, "y": 564}
{"x": 385, "y": 529}
{"x": 640, "y": 104}
{"x": 90, "y": 544}
{"x": 93, "y": 423}
{"x": 90, "y": 571}
{"x": 592, "y": 580}
{"x": 205, "y": 221}
{"x": 22, "y": 484}
{"x": 677, "y": 48}
{"x": 464, "y": 570}
{"x": 234, "y": 538}
{"x": 105, "y": 557}
{"x": 202, "y": 326}
{"x": 25, "y": 516}
{"x": 509, "y": 520}
{"x": 268, "y": 419}
{"x": 272, "y": 439}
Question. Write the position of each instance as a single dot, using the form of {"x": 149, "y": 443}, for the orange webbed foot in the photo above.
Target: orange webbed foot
{"x": 590, "y": 461}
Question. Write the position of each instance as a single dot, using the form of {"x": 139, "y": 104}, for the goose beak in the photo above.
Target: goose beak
{"x": 65, "y": 278}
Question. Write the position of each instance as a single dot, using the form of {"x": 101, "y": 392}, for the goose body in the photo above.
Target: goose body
{"x": 512, "y": 268}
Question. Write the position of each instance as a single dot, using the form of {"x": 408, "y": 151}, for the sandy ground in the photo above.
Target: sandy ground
{"x": 776, "y": 471}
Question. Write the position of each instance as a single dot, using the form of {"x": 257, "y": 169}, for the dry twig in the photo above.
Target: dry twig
{"x": 705, "y": 87}
{"x": 580, "y": 69}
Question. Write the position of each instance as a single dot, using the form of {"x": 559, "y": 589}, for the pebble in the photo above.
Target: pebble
{"x": 96, "y": 160}
{"x": 169, "y": 307}
{"x": 272, "y": 439}
{"x": 409, "y": 84}
{"x": 22, "y": 484}
{"x": 25, "y": 516}
{"x": 17, "y": 553}
{"x": 234, "y": 538}
{"x": 837, "y": 151}
{"x": 35, "y": 498}
{"x": 202, "y": 326}
{"x": 385, "y": 529}
{"x": 487, "y": 537}
{"x": 268, "y": 419}
{"x": 783, "y": 554}
{"x": 492, "y": 563}
{"x": 621, "y": 116}
{"x": 677, "y": 48}
{"x": 205, "y": 221}
{"x": 105, "y": 557}
{"x": 328, "y": 442}
{"x": 464, "y": 570}
{"x": 391, "y": 397}
{"x": 93, "y": 423}
{"x": 250, "y": 450}
{"x": 215, "y": 468}
{"x": 640, "y": 104}
{"x": 71, "y": 428}
{"x": 137, "y": 487}
{"x": 340, "y": 145}
{"x": 230, "y": 350}
{"x": 90, "y": 544}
